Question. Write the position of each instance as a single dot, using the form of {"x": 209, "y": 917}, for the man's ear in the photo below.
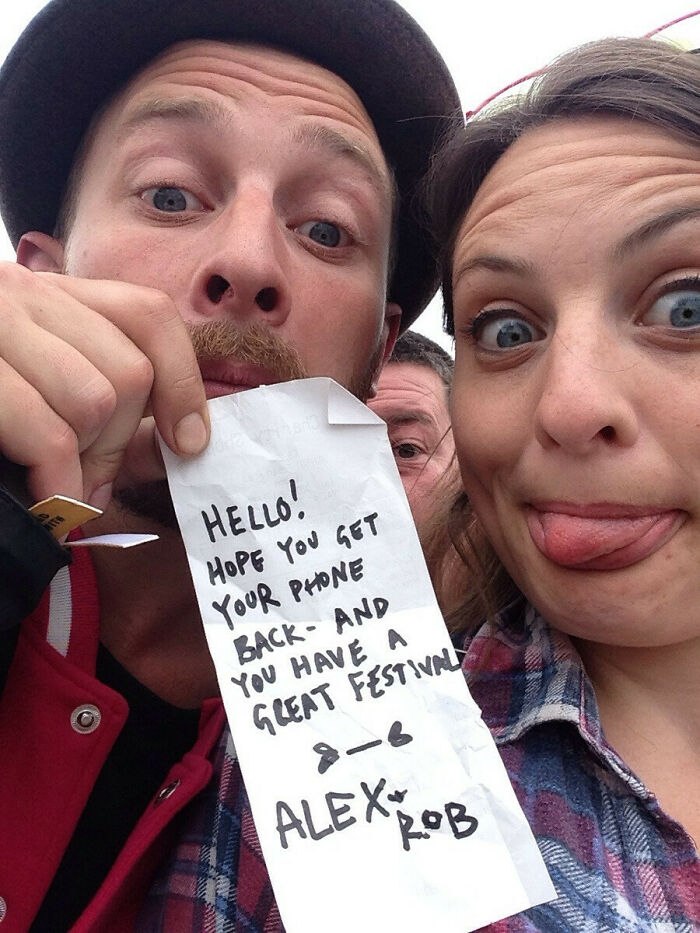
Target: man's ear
{"x": 392, "y": 322}
{"x": 40, "y": 252}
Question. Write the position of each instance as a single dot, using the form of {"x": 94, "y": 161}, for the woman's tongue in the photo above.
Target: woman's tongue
{"x": 571, "y": 539}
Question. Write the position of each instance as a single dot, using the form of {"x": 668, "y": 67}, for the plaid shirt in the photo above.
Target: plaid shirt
{"x": 215, "y": 880}
{"x": 619, "y": 863}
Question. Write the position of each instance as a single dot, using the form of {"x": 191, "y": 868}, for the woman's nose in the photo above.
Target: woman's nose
{"x": 586, "y": 398}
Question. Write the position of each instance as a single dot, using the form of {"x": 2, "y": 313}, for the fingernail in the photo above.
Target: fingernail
{"x": 101, "y": 497}
{"x": 191, "y": 434}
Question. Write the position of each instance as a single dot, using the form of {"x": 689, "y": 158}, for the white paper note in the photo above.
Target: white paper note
{"x": 121, "y": 541}
{"x": 379, "y": 797}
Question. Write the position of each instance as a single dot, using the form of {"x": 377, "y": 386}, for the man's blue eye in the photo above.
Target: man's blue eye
{"x": 171, "y": 200}
{"x": 322, "y": 232}
{"x": 679, "y": 309}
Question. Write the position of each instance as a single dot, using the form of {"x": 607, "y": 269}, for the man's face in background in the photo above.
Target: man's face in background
{"x": 412, "y": 399}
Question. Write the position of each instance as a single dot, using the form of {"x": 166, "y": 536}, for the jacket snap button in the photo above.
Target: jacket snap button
{"x": 166, "y": 791}
{"x": 3, "y": 909}
{"x": 85, "y": 718}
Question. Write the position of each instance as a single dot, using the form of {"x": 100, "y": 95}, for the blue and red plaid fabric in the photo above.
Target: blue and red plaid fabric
{"x": 215, "y": 879}
{"x": 618, "y": 862}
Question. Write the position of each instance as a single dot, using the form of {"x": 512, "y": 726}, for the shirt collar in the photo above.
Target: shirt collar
{"x": 522, "y": 673}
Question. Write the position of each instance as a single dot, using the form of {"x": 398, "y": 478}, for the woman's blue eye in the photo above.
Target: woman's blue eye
{"x": 504, "y": 333}
{"x": 171, "y": 200}
{"x": 322, "y": 232}
{"x": 679, "y": 309}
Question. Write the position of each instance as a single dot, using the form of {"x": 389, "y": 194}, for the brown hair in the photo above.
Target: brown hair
{"x": 471, "y": 584}
{"x": 642, "y": 79}
{"x": 412, "y": 347}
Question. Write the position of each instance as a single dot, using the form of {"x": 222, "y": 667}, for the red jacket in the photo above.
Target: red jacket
{"x": 52, "y": 747}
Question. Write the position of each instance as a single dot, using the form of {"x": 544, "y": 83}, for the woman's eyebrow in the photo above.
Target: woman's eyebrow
{"x": 493, "y": 263}
{"x": 653, "y": 228}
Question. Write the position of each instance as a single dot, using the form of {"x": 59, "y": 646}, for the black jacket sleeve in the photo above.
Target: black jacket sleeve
{"x": 29, "y": 558}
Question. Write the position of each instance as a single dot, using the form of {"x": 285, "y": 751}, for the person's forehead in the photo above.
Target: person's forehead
{"x": 413, "y": 384}
{"x": 240, "y": 69}
{"x": 581, "y": 158}
{"x": 586, "y": 169}
{"x": 217, "y": 82}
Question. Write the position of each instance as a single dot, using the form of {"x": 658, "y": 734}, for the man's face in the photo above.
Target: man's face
{"x": 412, "y": 399}
{"x": 249, "y": 185}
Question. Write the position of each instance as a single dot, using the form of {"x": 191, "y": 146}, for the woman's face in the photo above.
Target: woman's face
{"x": 576, "y": 399}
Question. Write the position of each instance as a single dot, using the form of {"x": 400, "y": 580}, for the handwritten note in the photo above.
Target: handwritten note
{"x": 379, "y": 797}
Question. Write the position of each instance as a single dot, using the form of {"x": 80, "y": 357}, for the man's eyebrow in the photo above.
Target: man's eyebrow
{"x": 175, "y": 108}
{"x": 316, "y": 137}
{"x": 653, "y": 228}
{"x": 409, "y": 417}
{"x": 310, "y": 136}
{"x": 494, "y": 263}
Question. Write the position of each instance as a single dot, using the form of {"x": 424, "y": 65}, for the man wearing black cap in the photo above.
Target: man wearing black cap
{"x": 225, "y": 175}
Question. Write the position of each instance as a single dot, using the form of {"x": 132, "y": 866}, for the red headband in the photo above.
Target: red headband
{"x": 541, "y": 71}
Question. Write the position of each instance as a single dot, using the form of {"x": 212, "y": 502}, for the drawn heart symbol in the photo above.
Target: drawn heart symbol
{"x": 397, "y": 738}
{"x": 329, "y": 756}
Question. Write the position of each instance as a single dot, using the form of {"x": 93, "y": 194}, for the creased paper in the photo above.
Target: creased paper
{"x": 379, "y": 797}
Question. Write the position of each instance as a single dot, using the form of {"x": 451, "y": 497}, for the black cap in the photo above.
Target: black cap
{"x": 76, "y": 53}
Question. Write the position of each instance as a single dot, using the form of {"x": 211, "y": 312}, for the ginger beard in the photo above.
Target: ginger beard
{"x": 217, "y": 340}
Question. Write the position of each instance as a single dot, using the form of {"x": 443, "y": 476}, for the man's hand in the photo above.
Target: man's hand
{"x": 81, "y": 362}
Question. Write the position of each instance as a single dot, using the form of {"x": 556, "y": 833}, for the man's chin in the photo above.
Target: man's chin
{"x": 150, "y": 501}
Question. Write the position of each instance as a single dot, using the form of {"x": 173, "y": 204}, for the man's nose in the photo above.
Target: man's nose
{"x": 244, "y": 272}
{"x": 586, "y": 397}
